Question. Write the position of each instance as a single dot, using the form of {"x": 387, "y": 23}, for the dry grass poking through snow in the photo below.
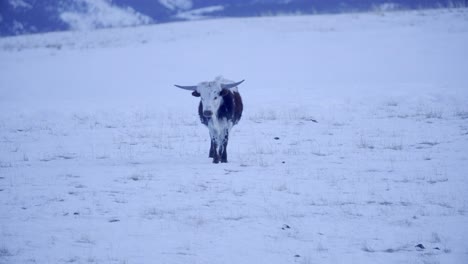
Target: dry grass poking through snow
{"x": 354, "y": 152}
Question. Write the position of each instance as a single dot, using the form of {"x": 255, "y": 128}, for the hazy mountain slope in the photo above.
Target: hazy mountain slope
{"x": 31, "y": 16}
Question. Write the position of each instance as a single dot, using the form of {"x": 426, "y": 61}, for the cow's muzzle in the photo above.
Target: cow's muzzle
{"x": 207, "y": 113}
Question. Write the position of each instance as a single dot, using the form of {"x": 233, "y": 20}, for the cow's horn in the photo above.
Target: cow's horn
{"x": 191, "y": 88}
{"x": 230, "y": 85}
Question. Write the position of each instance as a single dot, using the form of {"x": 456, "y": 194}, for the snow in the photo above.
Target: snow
{"x": 102, "y": 14}
{"x": 386, "y": 7}
{"x": 200, "y": 13}
{"x": 352, "y": 147}
{"x": 177, "y": 4}
{"x": 20, "y": 4}
{"x": 18, "y": 26}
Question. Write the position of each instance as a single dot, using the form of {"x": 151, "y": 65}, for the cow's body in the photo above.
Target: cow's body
{"x": 228, "y": 114}
{"x": 220, "y": 109}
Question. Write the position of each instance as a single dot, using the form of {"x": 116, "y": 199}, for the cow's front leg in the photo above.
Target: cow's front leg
{"x": 212, "y": 152}
{"x": 223, "y": 152}
{"x": 212, "y": 149}
{"x": 215, "y": 153}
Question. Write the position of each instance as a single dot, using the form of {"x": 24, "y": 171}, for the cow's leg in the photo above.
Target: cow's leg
{"x": 212, "y": 149}
{"x": 223, "y": 153}
{"x": 212, "y": 144}
{"x": 215, "y": 153}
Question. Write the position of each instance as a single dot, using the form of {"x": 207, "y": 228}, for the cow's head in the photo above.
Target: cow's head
{"x": 211, "y": 94}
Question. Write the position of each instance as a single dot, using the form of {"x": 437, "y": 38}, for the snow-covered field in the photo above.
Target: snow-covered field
{"x": 353, "y": 147}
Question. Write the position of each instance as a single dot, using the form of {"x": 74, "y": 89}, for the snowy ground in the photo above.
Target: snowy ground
{"x": 353, "y": 146}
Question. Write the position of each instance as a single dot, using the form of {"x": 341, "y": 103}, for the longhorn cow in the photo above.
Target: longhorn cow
{"x": 220, "y": 109}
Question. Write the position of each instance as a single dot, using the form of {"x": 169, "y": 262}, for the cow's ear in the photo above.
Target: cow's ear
{"x": 224, "y": 92}
{"x": 196, "y": 94}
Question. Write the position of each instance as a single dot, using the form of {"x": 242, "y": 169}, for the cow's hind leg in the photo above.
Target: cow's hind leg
{"x": 224, "y": 154}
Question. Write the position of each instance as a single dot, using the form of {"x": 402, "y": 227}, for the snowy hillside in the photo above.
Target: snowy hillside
{"x": 353, "y": 146}
{"x": 31, "y": 16}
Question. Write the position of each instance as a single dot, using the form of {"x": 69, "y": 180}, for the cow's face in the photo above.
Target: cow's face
{"x": 211, "y": 95}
